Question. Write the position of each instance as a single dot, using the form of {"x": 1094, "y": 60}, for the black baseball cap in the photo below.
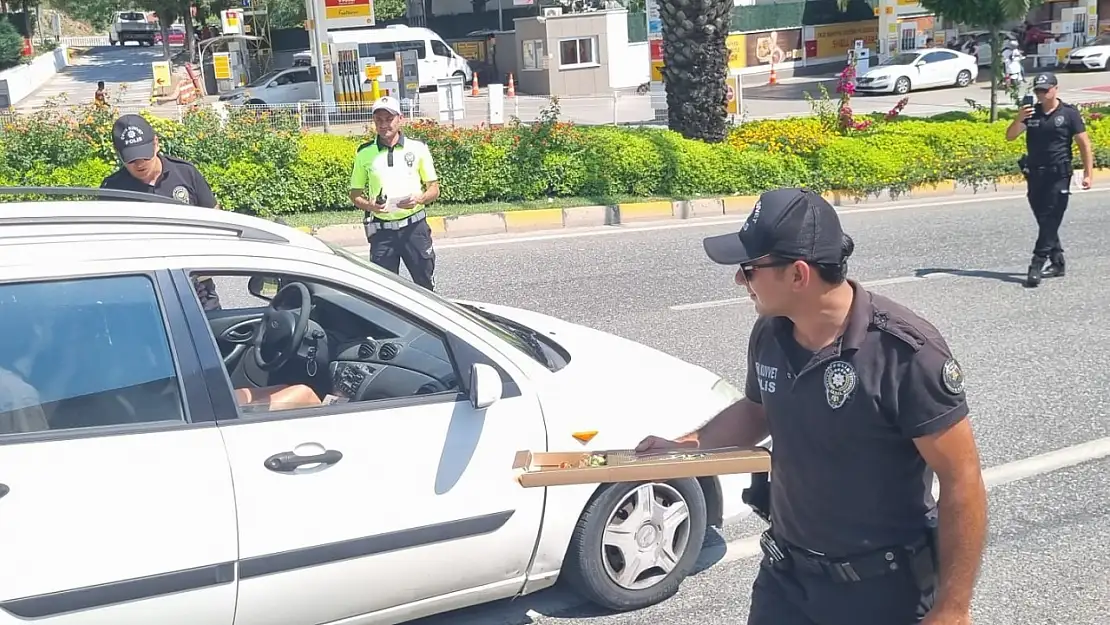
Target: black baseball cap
{"x": 1044, "y": 81}
{"x": 791, "y": 223}
{"x": 133, "y": 138}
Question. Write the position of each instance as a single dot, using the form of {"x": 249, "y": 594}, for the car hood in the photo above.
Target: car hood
{"x": 884, "y": 72}
{"x": 1086, "y": 50}
{"x": 618, "y": 388}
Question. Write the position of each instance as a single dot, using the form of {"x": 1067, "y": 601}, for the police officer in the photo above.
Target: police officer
{"x": 393, "y": 179}
{"x": 1050, "y": 127}
{"x": 864, "y": 403}
{"x": 146, "y": 170}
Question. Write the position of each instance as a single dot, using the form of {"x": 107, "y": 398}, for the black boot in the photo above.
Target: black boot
{"x": 1036, "y": 270}
{"x": 1055, "y": 268}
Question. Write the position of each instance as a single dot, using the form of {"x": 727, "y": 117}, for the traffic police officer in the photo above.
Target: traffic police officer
{"x": 146, "y": 170}
{"x": 393, "y": 179}
{"x": 864, "y": 403}
{"x": 1049, "y": 127}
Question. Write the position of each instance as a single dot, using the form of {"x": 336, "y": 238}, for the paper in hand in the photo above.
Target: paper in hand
{"x": 1076, "y": 183}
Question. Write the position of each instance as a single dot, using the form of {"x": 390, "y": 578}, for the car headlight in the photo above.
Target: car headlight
{"x": 725, "y": 388}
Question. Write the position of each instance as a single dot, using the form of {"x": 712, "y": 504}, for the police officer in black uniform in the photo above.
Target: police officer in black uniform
{"x": 146, "y": 170}
{"x": 864, "y": 403}
{"x": 1050, "y": 127}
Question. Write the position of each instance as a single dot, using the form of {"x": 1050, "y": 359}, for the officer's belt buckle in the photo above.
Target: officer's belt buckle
{"x": 374, "y": 225}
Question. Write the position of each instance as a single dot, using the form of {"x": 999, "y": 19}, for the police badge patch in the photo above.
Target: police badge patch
{"x": 1058, "y": 120}
{"x": 182, "y": 194}
{"x": 410, "y": 158}
{"x": 952, "y": 376}
{"x": 840, "y": 381}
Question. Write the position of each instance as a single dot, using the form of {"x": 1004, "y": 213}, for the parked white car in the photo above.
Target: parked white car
{"x": 919, "y": 69}
{"x": 1093, "y": 55}
{"x": 282, "y": 86}
{"x": 137, "y": 488}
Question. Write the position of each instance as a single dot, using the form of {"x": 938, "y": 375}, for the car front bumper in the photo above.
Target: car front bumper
{"x": 881, "y": 85}
{"x": 1087, "y": 62}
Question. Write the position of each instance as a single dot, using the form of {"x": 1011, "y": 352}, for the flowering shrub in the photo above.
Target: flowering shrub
{"x": 264, "y": 164}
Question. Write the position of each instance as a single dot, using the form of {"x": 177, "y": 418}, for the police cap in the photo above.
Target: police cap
{"x": 790, "y": 223}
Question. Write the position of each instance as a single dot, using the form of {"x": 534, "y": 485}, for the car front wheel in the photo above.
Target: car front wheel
{"x": 963, "y": 79}
{"x": 902, "y": 86}
{"x": 636, "y": 542}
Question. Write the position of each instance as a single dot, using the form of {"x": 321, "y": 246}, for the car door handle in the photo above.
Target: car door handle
{"x": 288, "y": 461}
{"x": 4, "y": 490}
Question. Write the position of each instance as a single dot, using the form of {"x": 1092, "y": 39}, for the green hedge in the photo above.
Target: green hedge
{"x": 265, "y": 165}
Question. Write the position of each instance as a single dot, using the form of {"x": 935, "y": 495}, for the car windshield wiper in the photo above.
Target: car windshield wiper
{"x": 527, "y": 335}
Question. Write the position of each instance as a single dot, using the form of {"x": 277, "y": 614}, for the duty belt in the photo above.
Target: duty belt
{"x": 374, "y": 225}
{"x": 850, "y": 569}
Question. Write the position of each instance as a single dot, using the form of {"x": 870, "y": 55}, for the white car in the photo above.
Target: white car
{"x": 1093, "y": 55}
{"x": 283, "y": 86}
{"x": 137, "y": 487}
{"x": 919, "y": 69}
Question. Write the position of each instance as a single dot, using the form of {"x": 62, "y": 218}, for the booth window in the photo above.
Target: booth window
{"x": 578, "y": 52}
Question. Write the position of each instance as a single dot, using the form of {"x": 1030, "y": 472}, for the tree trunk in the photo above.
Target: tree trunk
{"x": 996, "y": 70}
{"x": 190, "y": 37}
{"x": 695, "y": 66}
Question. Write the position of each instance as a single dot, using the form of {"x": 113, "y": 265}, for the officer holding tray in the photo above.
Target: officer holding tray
{"x": 864, "y": 402}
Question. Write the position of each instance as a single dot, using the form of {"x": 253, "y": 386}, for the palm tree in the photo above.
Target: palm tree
{"x": 695, "y": 66}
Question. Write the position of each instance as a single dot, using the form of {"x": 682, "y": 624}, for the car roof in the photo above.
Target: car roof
{"x": 129, "y": 226}
{"x": 397, "y": 32}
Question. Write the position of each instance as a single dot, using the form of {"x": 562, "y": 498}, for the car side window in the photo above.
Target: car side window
{"x": 439, "y": 49}
{"x": 354, "y": 349}
{"x": 84, "y": 353}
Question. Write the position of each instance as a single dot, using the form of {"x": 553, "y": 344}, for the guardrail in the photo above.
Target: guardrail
{"x": 85, "y": 42}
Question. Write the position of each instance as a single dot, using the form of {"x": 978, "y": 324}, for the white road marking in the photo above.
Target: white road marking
{"x": 717, "y": 303}
{"x": 748, "y": 547}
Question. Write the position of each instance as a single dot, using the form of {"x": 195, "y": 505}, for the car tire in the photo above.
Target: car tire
{"x": 963, "y": 79}
{"x": 902, "y": 85}
{"x": 591, "y": 565}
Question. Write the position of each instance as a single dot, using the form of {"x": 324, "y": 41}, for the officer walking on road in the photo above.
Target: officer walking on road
{"x": 1050, "y": 127}
{"x": 864, "y": 403}
{"x": 393, "y": 179}
{"x": 146, "y": 170}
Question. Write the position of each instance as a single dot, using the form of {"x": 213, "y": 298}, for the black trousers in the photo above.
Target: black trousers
{"x": 793, "y": 597}
{"x": 1048, "y": 195}
{"x": 412, "y": 244}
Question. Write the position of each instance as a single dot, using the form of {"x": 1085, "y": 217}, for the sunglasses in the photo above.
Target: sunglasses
{"x": 749, "y": 269}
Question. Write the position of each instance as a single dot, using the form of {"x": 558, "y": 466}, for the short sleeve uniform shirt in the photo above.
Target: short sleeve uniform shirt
{"x": 180, "y": 180}
{"x": 396, "y": 171}
{"x": 1048, "y": 136}
{"x": 846, "y": 477}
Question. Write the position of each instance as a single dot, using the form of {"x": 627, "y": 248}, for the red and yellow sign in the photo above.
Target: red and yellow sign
{"x": 737, "y": 52}
{"x": 345, "y": 9}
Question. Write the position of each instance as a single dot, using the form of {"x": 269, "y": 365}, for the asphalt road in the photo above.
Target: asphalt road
{"x": 1034, "y": 361}
{"x": 129, "y": 67}
{"x": 125, "y": 70}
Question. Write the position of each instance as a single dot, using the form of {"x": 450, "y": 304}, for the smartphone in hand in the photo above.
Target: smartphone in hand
{"x": 1027, "y": 101}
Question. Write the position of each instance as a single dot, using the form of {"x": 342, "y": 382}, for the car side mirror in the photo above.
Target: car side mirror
{"x": 485, "y": 386}
{"x": 263, "y": 287}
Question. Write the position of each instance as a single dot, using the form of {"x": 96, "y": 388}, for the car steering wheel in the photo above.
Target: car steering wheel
{"x": 282, "y": 331}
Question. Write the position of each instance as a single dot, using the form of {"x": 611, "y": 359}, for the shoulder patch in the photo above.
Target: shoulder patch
{"x": 952, "y": 376}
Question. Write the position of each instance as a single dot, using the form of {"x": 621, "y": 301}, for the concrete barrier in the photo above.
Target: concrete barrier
{"x": 19, "y": 82}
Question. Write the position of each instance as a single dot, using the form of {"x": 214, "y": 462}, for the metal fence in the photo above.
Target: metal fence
{"x": 617, "y": 108}
{"x": 85, "y": 42}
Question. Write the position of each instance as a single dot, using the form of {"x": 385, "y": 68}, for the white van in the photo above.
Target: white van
{"x": 436, "y": 58}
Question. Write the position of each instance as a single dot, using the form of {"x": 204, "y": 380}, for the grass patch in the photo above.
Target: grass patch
{"x": 335, "y": 218}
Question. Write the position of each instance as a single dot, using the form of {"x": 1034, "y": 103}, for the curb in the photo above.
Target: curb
{"x": 479, "y": 224}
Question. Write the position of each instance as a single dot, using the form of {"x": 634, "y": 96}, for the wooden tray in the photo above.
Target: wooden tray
{"x": 534, "y": 469}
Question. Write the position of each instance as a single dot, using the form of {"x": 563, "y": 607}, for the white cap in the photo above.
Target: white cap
{"x": 387, "y": 104}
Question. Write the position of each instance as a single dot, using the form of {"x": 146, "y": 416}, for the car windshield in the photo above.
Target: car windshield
{"x": 132, "y": 17}
{"x": 264, "y": 78}
{"x": 515, "y": 334}
{"x": 904, "y": 58}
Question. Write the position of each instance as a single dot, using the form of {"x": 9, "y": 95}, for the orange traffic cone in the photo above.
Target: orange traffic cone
{"x": 512, "y": 86}
{"x": 474, "y": 85}
{"x": 774, "y": 80}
